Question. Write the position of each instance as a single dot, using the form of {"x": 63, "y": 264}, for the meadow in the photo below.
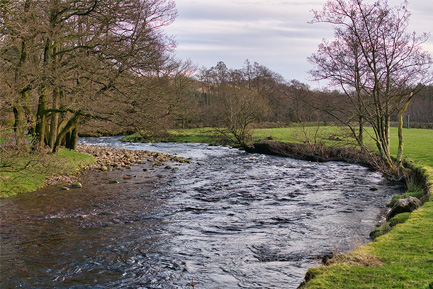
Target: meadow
{"x": 418, "y": 143}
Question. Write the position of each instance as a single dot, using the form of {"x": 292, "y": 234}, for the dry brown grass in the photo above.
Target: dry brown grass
{"x": 356, "y": 259}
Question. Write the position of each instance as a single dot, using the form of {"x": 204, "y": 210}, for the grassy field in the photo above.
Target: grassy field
{"x": 24, "y": 172}
{"x": 418, "y": 143}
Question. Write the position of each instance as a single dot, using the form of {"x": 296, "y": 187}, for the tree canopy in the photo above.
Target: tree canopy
{"x": 375, "y": 61}
{"x": 65, "y": 61}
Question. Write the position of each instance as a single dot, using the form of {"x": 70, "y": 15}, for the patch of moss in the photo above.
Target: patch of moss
{"x": 417, "y": 194}
{"x": 399, "y": 219}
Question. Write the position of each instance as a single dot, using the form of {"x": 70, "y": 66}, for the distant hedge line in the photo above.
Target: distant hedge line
{"x": 424, "y": 125}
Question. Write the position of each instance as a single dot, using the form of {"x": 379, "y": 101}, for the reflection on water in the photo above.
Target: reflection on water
{"x": 226, "y": 220}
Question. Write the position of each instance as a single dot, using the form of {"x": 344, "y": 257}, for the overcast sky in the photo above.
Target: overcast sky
{"x": 274, "y": 33}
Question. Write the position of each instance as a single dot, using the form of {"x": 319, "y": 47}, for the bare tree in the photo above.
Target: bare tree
{"x": 76, "y": 57}
{"x": 375, "y": 61}
{"x": 233, "y": 100}
{"x": 155, "y": 102}
{"x": 237, "y": 109}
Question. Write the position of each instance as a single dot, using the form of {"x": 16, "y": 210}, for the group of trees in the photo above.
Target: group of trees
{"x": 67, "y": 61}
{"x": 375, "y": 62}
{"x": 233, "y": 99}
{"x": 237, "y": 100}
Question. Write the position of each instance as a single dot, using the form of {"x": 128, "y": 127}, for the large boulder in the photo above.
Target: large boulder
{"x": 408, "y": 204}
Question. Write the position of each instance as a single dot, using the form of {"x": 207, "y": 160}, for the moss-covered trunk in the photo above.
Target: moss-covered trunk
{"x": 401, "y": 112}
{"x": 54, "y": 121}
{"x": 41, "y": 123}
{"x": 19, "y": 124}
{"x": 69, "y": 127}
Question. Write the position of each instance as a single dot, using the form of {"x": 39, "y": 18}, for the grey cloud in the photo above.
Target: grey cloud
{"x": 274, "y": 33}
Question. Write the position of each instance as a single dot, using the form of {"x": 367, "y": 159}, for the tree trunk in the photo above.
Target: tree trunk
{"x": 361, "y": 133}
{"x": 19, "y": 124}
{"x": 72, "y": 123}
{"x": 41, "y": 123}
{"x": 400, "y": 131}
{"x": 28, "y": 114}
{"x": 73, "y": 137}
{"x": 54, "y": 124}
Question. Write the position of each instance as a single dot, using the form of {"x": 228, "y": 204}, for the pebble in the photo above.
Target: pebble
{"x": 76, "y": 185}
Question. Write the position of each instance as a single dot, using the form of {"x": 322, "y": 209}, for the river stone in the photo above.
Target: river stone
{"x": 408, "y": 204}
{"x": 76, "y": 185}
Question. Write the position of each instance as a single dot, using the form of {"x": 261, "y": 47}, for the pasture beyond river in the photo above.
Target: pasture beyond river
{"x": 228, "y": 219}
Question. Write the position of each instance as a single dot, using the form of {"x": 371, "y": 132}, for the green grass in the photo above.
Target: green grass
{"x": 418, "y": 143}
{"x": 193, "y": 135}
{"x": 404, "y": 259}
{"x": 15, "y": 179}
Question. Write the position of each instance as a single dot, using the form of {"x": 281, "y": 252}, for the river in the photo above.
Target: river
{"x": 228, "y": 219}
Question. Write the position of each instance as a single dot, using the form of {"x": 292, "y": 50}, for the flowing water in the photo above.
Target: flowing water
{"x": 226, "y": 220}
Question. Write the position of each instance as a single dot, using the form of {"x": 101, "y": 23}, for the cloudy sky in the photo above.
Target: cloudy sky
{"x": 274, "y": 33}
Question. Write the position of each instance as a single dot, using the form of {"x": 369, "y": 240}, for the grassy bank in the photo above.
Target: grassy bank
{"x": 24, "y": 172}
{"x": 402, "y": 258}
{"x": 418, "y": 143}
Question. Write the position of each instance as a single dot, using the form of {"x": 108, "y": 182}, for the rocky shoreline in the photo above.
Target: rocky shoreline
{"x": 110, "y": 159}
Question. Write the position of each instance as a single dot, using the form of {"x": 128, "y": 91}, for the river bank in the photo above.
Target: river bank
{"x": 23, "y": 171}
{"x": 402, "y": 258}
{"x": 397, "y": 242}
